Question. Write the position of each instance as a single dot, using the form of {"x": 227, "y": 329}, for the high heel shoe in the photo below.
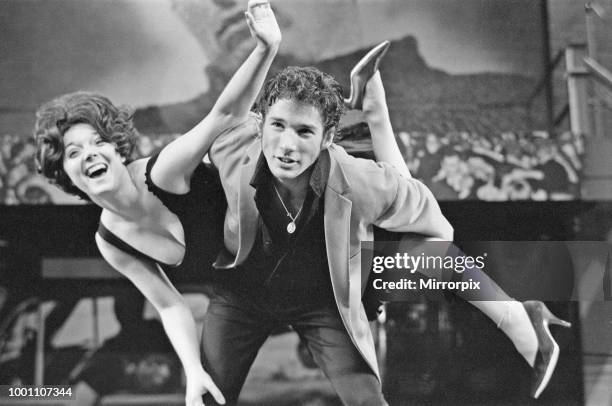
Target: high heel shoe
{"x": 362, "y": 72}
{"x": 548, "y": 349}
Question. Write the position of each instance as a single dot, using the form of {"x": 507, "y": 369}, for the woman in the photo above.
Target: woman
{"x": 85, "y": 145}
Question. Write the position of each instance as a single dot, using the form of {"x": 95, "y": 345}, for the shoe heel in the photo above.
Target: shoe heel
{"x": 550, "y": 318}
{"x": 362, "y": 72}
{"x": 548, "y": 349}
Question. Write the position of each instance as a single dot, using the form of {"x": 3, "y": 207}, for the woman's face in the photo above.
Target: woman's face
{"x": 91, "y": 163}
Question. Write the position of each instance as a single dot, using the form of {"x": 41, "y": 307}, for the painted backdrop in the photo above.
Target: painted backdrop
{"x": 459, "y": 76}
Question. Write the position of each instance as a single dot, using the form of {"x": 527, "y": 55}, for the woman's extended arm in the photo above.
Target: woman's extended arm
{"x": 376, "y": 113}
{"x": 175, "y": 315}
{"x": 178, "y": 160}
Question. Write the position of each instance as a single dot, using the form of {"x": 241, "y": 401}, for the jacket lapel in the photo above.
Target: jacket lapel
{"x": 247, "y": 211}
{"x": 345, "y": 271}
{"x": 337, "y": 221}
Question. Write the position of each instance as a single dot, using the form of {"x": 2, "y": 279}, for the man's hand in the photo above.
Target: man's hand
{"x": 198, "y": 384}
{"x": 262, "y": 24}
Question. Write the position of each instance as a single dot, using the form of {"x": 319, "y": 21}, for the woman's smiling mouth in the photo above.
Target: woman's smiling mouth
{"x": 96, "y": 170}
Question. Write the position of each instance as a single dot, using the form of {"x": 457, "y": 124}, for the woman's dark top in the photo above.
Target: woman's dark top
{"x": 201, "y": 212}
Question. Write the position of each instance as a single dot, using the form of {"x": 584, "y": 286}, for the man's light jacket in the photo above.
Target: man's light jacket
{"x": 360, "y": 193}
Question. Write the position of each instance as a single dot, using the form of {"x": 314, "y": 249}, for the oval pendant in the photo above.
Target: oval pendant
{"x": 291, "y": 227}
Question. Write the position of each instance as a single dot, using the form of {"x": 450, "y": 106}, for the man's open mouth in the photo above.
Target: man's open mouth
{"x": 97, "y": 170}
{"x": 286, "y": 160}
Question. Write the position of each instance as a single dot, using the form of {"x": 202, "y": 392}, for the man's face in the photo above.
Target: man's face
{"x": 293, "y": 137}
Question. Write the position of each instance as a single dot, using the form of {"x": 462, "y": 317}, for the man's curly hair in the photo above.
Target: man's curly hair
{"x": 306, "y": 85}
{"x": 113, "y": 124}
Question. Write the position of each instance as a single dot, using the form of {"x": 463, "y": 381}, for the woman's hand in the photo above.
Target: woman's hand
{"x": 198, "y": 384}
{"x": 262, "y": 24}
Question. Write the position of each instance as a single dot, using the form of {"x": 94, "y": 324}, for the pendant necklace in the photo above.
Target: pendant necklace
{"x": 291, "y": 225}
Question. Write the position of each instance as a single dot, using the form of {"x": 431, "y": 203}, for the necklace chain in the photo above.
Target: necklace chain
{"x": 285, "y": 207}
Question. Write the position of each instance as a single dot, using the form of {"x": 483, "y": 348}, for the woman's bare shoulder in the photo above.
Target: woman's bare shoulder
{"x": 138, "y": 166}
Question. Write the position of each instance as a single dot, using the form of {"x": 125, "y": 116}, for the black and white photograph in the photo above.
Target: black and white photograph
{"x": 305, "y": 202}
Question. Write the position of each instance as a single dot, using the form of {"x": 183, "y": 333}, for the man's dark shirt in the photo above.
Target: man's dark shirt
{"x": 284, "y": 268}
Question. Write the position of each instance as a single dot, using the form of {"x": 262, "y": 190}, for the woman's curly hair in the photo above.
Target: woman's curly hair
{"x": 113, "y": 124}
{"x": 306, "y": 85}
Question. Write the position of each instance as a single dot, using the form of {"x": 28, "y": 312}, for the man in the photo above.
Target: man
{"x": 298, "y": 208}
